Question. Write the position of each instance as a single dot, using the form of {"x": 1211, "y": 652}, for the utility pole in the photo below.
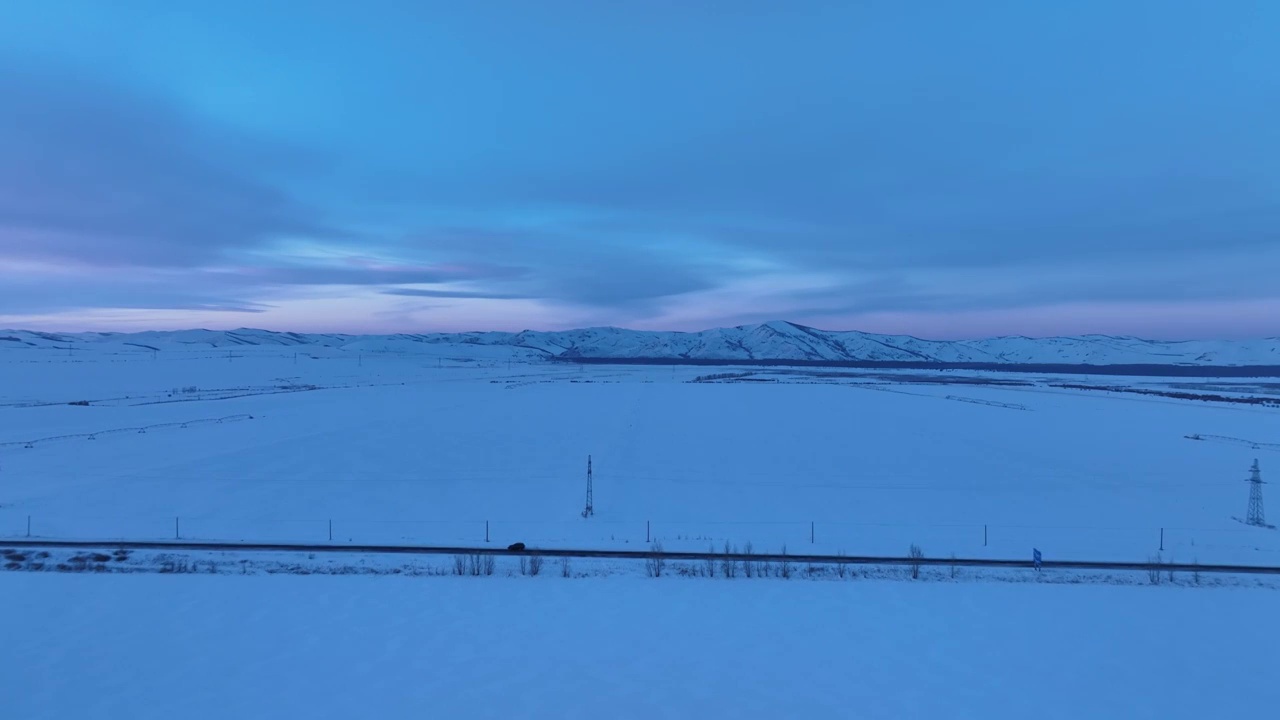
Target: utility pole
{"x": 1256, "y": 515}
{"x": 590, "y": 509}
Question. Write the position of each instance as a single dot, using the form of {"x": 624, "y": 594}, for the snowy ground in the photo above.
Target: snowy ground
{"x": 259, "y": 444}
{"x": 426, "y": 449}
{"x": 206, "y": 646}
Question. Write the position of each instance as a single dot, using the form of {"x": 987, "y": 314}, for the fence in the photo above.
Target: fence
{"x": 140, "y": 429}
{"x": 1241, "y": 544}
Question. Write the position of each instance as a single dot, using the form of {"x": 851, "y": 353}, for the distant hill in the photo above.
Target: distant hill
{"x": 767, "y": 341}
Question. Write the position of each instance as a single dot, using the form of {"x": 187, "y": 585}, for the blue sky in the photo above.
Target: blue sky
{"x": 945, "y": 169}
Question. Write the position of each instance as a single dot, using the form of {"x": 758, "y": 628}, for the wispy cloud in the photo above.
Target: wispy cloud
{"x": 468, "y": 294}
{"x": 872, "y": 163}
{"x": 96, "y": 173}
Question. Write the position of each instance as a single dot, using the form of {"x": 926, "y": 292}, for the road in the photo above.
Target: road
{"x": 180, "y": 545}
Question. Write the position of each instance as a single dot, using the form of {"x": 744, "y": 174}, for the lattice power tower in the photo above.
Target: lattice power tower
{"x": 1256, "y": 515}
{"x": 590, "y": 509}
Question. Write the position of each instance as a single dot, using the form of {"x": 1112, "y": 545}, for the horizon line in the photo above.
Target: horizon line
{"x": 799, "y": 326}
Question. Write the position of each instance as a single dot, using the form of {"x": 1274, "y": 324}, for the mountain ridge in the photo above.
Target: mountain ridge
{"x": 774, "y": 340}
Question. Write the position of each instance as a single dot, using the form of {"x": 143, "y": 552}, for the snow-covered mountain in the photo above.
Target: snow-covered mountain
{"x": 767, "y": 341}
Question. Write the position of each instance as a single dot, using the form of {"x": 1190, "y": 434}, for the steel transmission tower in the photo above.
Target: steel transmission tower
{"x": 1256, "y": 515}
{"x": 590, "y": 509}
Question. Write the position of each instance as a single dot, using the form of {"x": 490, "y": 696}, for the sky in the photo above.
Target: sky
{"x": 941, "y": 169}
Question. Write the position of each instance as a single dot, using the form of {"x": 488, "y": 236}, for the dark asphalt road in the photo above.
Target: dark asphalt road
{"x": 179, "y": 545}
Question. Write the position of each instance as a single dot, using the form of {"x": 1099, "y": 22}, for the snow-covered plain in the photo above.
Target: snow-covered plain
{"x": 442, "y": 448}
{"x": 443, "y": 445}
{"x": 216, "y": 646}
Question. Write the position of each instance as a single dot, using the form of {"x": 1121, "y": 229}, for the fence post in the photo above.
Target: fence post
{"x": 330, "y": 529}
{"x": 646, "y": 531}
{"x": 28, "y": 526}
{"x": 486, "y": 531}
{"x": 176, "y": 534}
{"x": 984, "y": 536}
{"x": 1161, "y": 539}
{"x": 811, "y": 532}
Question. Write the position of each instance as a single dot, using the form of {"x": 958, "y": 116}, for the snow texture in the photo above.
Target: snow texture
{"x": 156, "y": 647}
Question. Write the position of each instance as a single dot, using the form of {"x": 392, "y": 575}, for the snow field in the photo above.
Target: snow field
{"x": 199, "y": 646}
{"x": 457, "y": 448}
{"x": 395, "y": 450}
